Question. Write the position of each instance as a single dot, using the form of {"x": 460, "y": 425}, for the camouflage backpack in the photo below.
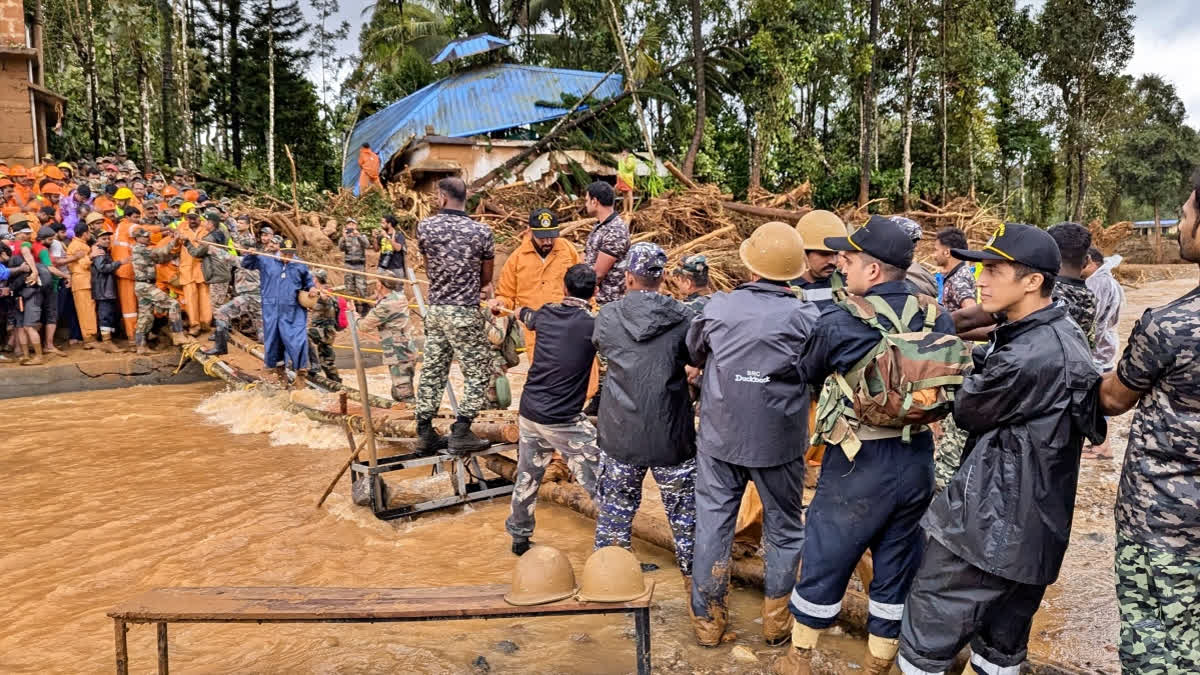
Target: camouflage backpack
{"x": 908, "y": 379}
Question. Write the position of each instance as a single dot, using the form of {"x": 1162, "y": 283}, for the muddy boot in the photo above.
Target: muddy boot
{"x": 106, "y": 344}
{"x": 194, "y": 331}
{"x": 429, "y": 440}
{"x": 777, "y": 621}
{"x": 220, "y": 340}
{"x": 520, "y": 546}
{"x": 36, "y": 358}
{"x": 798, "y": 659}
{"x": 464, "y": 441}
{"x": 141, "y": 349}
{"x": 301, "y": 380}
{"x": 89, "y": 343}
{"x": 708, "y": 631}
{"x": 399, "y": 397}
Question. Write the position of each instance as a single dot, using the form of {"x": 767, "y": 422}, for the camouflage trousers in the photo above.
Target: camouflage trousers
{"x": 948, "y": 449}
{"x": 575, "y": 440}
{"x": 356, "y": 285}
{"x": 320, "y": 349}
{"x": 498, "y": 368}
{"x": 454, "y": 330}
{"x": 218, "y": 293}
{"x": 400, "y": 356}
{"x": 247, "y": 305}
{"x": 1159, "y": 596}
{"x": 151, "y": 299}
{"x": 619, "y": 494}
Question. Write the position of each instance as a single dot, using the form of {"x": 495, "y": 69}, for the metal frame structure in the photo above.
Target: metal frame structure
{"x": 469, "y": 483}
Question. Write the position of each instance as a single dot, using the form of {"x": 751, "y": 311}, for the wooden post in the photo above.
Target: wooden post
{"x": 122, "y": 647}
{"x": 163, "y": 667}
{"x": 369, "y": 427}
{"x": 641, "y": 622}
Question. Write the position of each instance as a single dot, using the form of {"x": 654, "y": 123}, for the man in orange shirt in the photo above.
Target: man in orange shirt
{"x": 368, "y": 170}
{"x": 533, "y": 275}
{"x": 79, "y": 264}
{"x": 22, "y": 186}
{"x": 122, "y": 251}
{"x": 191, "y": 277}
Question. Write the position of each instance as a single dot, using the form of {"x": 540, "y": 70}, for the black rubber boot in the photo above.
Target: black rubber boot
{"x": 429, "y": 440}
{"x": 220, "y": 340}
{"x": 520, "y": 546}
{"x": 464, "y": 441}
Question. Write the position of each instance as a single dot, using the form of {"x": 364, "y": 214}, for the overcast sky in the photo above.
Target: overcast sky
{"x": 1161, "y": 35}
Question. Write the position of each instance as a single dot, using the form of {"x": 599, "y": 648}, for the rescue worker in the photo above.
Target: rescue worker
{"x": 389, "y": 318}
{"x": 459, "y": 257}
{"x": 122, "y": 250}
{"x": 1073, "y": 242}
{"x": 821, "y": 261}
{"x": 322, "y": 329}
{"x": 1097, "y": 273}
{"x": 196, "y": 296}
{"x": 392, "y": 245}
{"x": 368, "y": 170}
{"x": 79, "y": 263}
{"x": 691, "y": 281}
{"x": 104, "y": 289}
{"x": 645, "y": 422}
{"x": 605, "y": 251}
{"x": 285, "y": 321}
{"x": 917, "y": 275}
{"x": 872, "y": 497}
{"x": 247, "y": 298}
{"x": 532, "y": 276}
{"x": 998, "y": 532}
{"x": 1158, "y": 524}
{"x": 550, "y": 418}
{"x": 354, "y": 245}
{"x": 957, "y": 277}
{"x": 216, "y": 262}
{"x": 753, "y": 427}
{"x": 150, "y": 297}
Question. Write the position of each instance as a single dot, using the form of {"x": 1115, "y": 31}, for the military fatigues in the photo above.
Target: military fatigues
{"x": 958, "y": 286}
{"x": 619, "y": 489}
{"x": 355, "y": 248}
{"x": 389, "y": 317}
{"x": 1158, "y": 523}
{"x": 150, "y": 297}
{"x": 322, "y": 330}
{"x": 246, "y": 302}
{"x": 454, "y": 247}
{"x": 1080, "y": 302}
{"x": 611, "y": 237}
{"x": 577, "y": 443}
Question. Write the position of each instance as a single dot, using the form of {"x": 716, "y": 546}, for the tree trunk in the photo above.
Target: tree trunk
{"x": 143, "y": 83}
{"x": 755, "y": 141}
{"x": 167, "y": 54}
{"x": 689, "y": 160}
{"x": 1158, "y": 255}
{"x": 222, "y": 116}
{"x": 93, "y": 81}
{"x": 1081, "y": 150}
{"x": 235, "y": 87}
{"x": 619, "y": 35}
{"x": 118, "y": 105}
{"x": 942, "y": 96}
{"x": 971, "y": 158}
{"x": 910, "y": 72}
{"x": 185, "y": 104}
{"x": 271, "y": 91}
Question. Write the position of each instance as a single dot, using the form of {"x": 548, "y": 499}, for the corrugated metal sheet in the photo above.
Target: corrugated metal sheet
{"x": 469, "y": 46}
{"x": 500, "y": 96}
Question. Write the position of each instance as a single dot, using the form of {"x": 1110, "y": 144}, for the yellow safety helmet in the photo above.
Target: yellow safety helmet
{"x": 123, "y": 193}
{"x": 66, "y": 165}
{"x": 186, "y": 207}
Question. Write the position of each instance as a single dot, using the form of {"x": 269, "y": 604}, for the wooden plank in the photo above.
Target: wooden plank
{"x": 299, "y": 603}
{"x": 122, "y": 647}
{"x": 163, "y": 667}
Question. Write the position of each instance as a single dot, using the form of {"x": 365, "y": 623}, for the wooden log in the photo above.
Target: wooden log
{"x": 566, "y": 228}
{"x": 353, "y": 394}
{"x": 496, "y": 432}
{"x": 719, "y": 232}
{"x": 767, "y": 212}
{"x": 679, "y": 175}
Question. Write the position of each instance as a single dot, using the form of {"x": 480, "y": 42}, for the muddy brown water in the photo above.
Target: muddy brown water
{"x": 110, "y": 493}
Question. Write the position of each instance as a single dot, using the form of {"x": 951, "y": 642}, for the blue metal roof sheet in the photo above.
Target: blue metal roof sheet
{"x": 500, "y": 96}
{"x": 469, "y": 46}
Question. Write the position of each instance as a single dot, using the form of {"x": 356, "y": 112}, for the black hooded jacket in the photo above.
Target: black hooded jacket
{"x": 645, "y": 409}
{"x": 1029, "y": 404}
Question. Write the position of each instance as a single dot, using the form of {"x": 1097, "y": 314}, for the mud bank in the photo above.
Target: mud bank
{"x": 95, "y": 371}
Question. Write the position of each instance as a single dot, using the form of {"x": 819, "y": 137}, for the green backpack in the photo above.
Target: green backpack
{"x": 907, "y": 380}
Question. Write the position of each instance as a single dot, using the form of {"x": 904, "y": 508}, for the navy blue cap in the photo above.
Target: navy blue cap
{"x": 543, "y": 223}
{"x": 1015, "y": 242}
{"x": 882, "y": 238}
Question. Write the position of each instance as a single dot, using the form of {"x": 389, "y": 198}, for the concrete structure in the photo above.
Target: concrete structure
{"x": 1147, "y": 228}
{"x": 112, "y": 371}
{"x": 27, "y": 108}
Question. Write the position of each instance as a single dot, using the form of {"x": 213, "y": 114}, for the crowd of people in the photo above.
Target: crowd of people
{"x": 948, "y": 411}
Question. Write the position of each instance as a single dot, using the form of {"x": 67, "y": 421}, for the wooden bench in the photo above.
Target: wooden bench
{"x": 300, "y": 604}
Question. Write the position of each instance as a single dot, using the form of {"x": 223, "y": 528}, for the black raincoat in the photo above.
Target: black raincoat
{"x": 1027, "y": 407}
{"x": 646, "y": 410}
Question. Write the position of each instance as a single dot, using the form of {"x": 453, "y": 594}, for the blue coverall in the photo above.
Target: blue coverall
{"x": 285, "y": 322}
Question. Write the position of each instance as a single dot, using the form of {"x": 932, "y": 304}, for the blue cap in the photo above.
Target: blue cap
{"x": 647, "y": 260}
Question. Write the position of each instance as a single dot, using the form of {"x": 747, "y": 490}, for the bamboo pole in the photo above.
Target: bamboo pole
{"x": 372, "y": 454}
{"x": 335, "y": 268}
{"x": 354, "y": 451}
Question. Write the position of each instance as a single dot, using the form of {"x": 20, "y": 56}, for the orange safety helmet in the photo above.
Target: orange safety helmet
{"x": 170, "y": 191}
{"x": 10, "y": 211}
{"x": 53, "y": 172}
{"x": 191, "y": 196}
{"x": 51, "y": 189}
{"x": 18, "y": 171}
{"x": 4, "y": 182}
{"x": 105, "y": 204}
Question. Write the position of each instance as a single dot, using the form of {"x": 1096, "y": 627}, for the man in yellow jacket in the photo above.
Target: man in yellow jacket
{"x": 533, "y": 275}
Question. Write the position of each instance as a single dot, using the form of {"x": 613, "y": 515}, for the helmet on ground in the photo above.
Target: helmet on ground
{"x": 815, "y": 226}
{"x": 543, "y": 574}
{"x": 612, "y": 574}
{"x": 774, "y": 251}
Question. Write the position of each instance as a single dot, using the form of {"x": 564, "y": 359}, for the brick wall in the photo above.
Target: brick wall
{"x": 12, "y": 23}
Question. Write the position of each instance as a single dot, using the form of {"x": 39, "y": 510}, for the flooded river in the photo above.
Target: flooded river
{"x": 109, "y": 493}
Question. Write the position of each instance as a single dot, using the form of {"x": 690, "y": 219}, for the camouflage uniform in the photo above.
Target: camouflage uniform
{"x": 1158, "y": 524}
{"x": 1080, "y": 303}
{"x": 454, "y": 247}
{"x": 150, "y": 297}
{"x": 958, "y": 286}
{"x": 389, "y": 317}
{"x": 611, "y": 237}
{"x": 322, "y": 330}
{"x": 619, "y": 489}
{"x": 577, "y": 443}
{"x": 948, "y": 448}
{"x": 355, "y": 248}
{"x": 247, "y": 299}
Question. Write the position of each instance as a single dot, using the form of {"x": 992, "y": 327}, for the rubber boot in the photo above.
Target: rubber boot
{"x": 400, "y": 398}
{"x": 464, "y": 441}
{"x": 777, "y": 621}
{"x": 520, "y": 546}
{"x": 220, "y": 340}
{"x": 107, "y": 345}
{"x": 194, "y": 331}
{"x": 798, "y": 659}
{"x": 301, "y": 379}
{"x": 140, "y": 341}
{"x": 708, "y": 631}
{"x": 881, "y": 654}
{"x": 428, "y": 439}
{"x": 89, "y": 342}
{"x": 36, "y": 359}
{"x": 177, "y": 335}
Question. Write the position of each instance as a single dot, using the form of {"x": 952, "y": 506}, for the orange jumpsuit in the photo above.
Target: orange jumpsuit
{"x": 122, "y": 250}
{"x": 368, "y": 171}
{"x": 81, "y": 288}
{"x": 529, "y": 280}
{"x": 191, "y": 277}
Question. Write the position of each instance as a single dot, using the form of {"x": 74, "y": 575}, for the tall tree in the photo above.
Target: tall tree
{"x": 235, "y": 79}
{"x": 167, "y": 89}
{"x": 689, "y": 160}
{"x": 868, "y": 110}
{"x": 271, "y": 92}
